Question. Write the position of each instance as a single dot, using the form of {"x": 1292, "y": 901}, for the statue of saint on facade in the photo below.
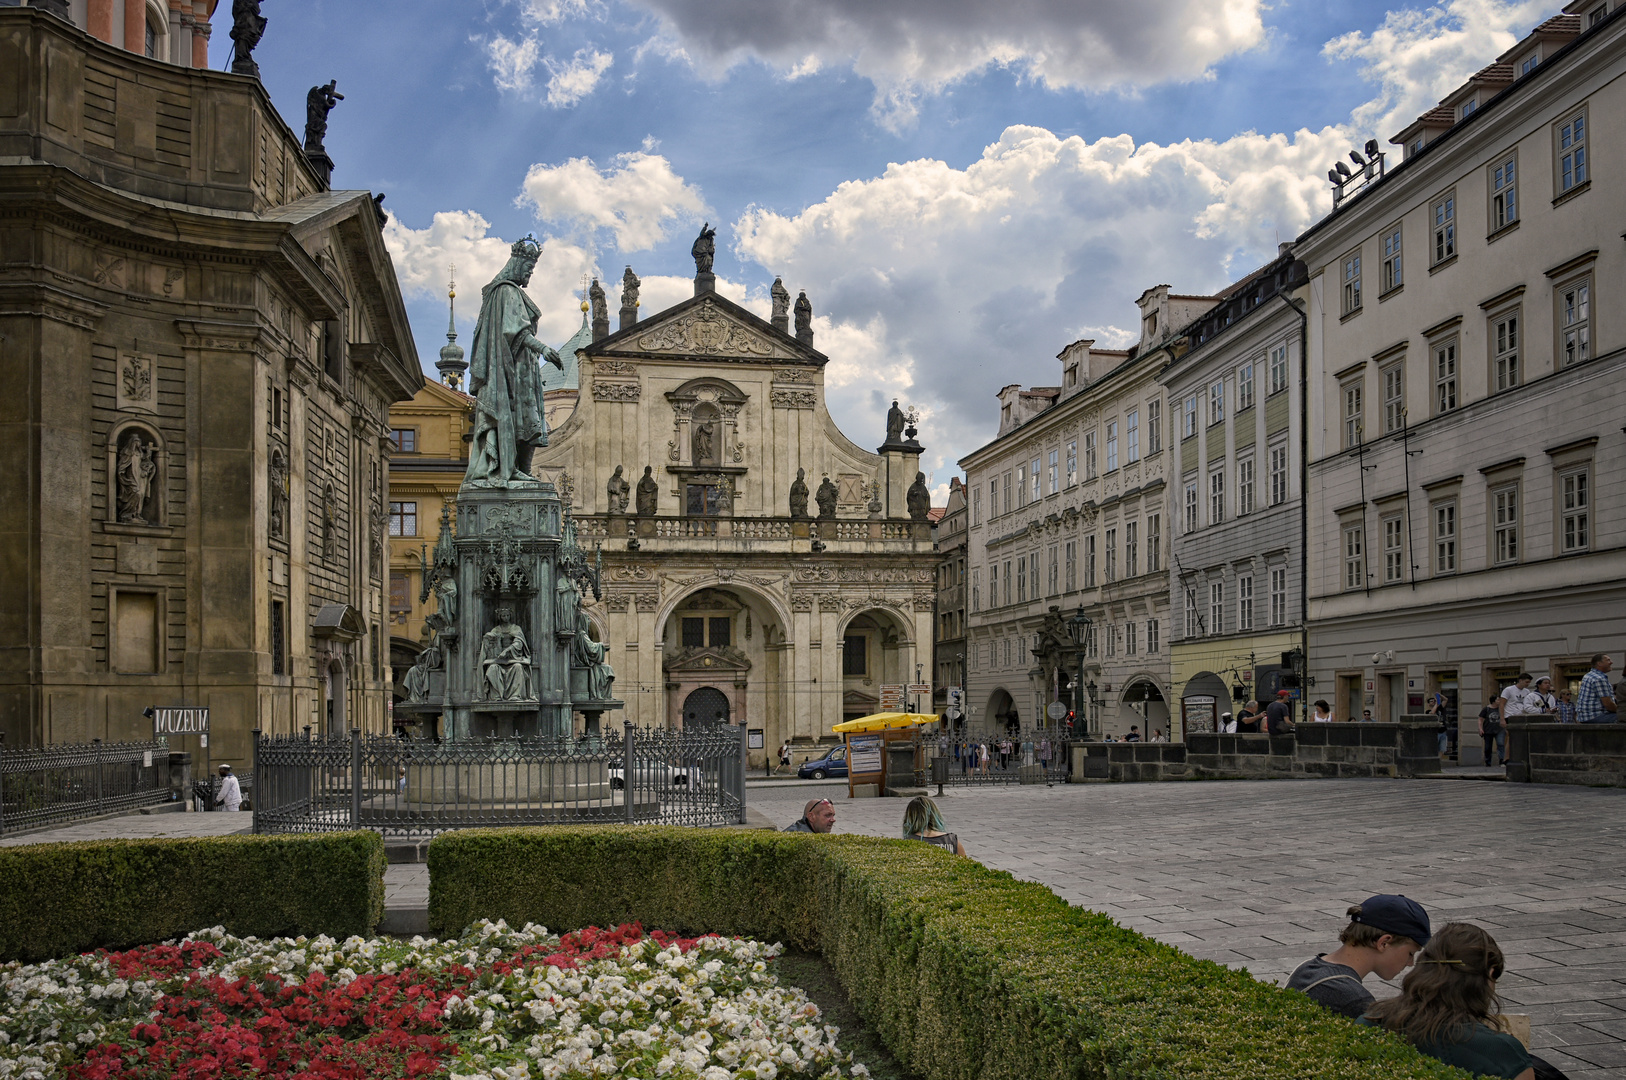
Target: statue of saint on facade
{"x": 875, "y": 504}
{"x": 318, "y": 103}
{"x": 506, "y": 660}
{"x": 826, "y": 497}
{"x": 601, "y": 306}
{"x": 781, "y": 304}
{"x": 798, "y": 495}
{"x": 629, "y": 291}
{"x": 804, "y": 315}
{"x": 919, "y": 499}
{"x": 416, "y": 681}
{"x": 504, "y": 376}
{"x": 648, "y": 493}
{"x": 247, "y": 28}
{"x": 616, "y": 491}
{"x": 705, "y": 249}
{"x": 137, "y": 468}
{"x": 566, "y": 603}
{"x": 591, "y": 655}
{"x": 705, "y": 452}
{"x": 894, "y": 424}
{"x": 277, "y": 482}
{"x": 446, "y": 599}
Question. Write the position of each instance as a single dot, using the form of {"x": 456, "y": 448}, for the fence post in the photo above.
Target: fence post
{"x": 97, "y": 743}
{"x": 745, "y": 757}
{"x": 355, "y": 778}
{"x": 626, "y": 769}
{"x": 254, "y": 774}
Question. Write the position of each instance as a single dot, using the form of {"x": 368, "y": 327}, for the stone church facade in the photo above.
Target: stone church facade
{"x": 200, "y": 343}
{"x": 721, "y": 601}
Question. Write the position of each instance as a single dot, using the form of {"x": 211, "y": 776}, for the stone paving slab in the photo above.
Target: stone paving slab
{"x": 139, "y": 826}
{"x": 1256, "y": 875}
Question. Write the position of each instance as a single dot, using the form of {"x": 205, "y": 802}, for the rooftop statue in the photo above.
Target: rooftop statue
{"x": 648, "y": 493}
{"x": 918, "y": 498}
{"x": 705, "y": 249}
{"x": 616, "y": 491}
{"x": 504, "y": 376}
{"x": 826, "y": 497}
{"x": 318, "y": 103}
{"x": 248, "y": 27}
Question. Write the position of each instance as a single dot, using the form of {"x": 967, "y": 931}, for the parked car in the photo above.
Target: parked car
{"x": 833, "y": 763}
{"x": 650, "y": 774}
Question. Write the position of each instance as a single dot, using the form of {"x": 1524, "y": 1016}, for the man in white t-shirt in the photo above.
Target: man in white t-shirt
{"x": 1519, "y": 699}
{"x": 231, "y": 792}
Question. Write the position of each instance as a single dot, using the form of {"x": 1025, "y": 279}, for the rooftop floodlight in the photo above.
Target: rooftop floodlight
{"x": 1371, "y": 148}
{"x": 1332, "y": 174}
{"x": 1343, "y": 170}
{"x": 1357, "y": 159}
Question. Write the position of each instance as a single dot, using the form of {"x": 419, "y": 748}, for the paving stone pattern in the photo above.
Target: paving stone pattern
{"x": 1256, "y": 875}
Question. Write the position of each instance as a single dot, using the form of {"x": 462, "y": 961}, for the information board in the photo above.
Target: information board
{"x": 891, "y": 697}
{"x": 864, "y": 754}
{"x": 753, "y": 738}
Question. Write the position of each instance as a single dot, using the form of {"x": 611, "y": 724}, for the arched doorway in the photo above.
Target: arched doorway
{"x": 1202, "y": 701}
{"x": 876, "y": 649}
{"x": 726, "y": 639}
{"x": 1143, "y": 697}
{"x": 707, "y": 705}
{"x": 999, "y": 715}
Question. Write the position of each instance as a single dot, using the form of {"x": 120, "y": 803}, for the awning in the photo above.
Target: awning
{"x": 881, "y": 721}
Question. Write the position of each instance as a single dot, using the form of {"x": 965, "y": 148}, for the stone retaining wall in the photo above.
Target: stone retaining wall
{"x": 1591, "y": 755}
{"x": 1313, "y": 750}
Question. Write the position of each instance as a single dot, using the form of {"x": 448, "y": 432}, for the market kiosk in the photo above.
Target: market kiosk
{"x": 884, "y": 749}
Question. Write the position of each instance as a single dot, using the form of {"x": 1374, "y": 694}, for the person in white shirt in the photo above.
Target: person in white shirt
{"x": 1542, "y": 697}
{"x": 231, "y": 793}
{"x": 1323, "y": 713}
{"x": 1519, "y": 699}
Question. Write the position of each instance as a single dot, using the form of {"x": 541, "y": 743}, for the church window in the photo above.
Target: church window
{"x": 694, "y": 633}
{"x": 704, "y": 500}
{"x": 855, "y": 655}
{"x": 720, "y": 628}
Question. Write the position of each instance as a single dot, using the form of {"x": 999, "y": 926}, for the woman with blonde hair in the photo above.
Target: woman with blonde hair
{"x": 923, "y": 821}
{"x": 1449, "y": 1010}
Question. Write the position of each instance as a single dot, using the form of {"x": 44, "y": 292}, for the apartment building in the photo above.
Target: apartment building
{"x": 948, "y": 647}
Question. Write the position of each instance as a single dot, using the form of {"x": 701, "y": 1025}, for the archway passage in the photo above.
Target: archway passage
{"x": 1142, "y": 696}
{"x": 1202, "y": 701}
{"x": 707, "y": 705}
{"x": 1000, "y": 713}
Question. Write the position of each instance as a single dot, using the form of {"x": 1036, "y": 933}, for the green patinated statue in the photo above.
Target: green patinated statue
{"x": 504, "y": 376}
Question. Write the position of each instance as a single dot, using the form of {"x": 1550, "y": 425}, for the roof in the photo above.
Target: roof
{"x": 570, "y": 377}
{"x": 935, "y": 514}
{"x": 622, "y": 342}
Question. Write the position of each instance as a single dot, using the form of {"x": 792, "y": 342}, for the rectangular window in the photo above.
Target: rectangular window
{"x": 1278, "y": 596}
{"x": 704, "y": 500}
{"x": 1244, "y": 603}
{"x": 403, "y": 519}
{"x": 1445, "y": 537}
{"x": 1036, "y": 486}
{"x": 404, "y": 440}
{"x": 1394, "y": 396}
{"x": 1244, "y": 387}
{"x": 1071, "y": 553}
{"x": 1530, "y": 63}
{"x": 279, "y": 638}
{"x": 993, "y": 584}
{"x": 1033, "y": 572}
{"x": 400, "y": 595}
{"x": 276, "y": 408}
{"x": 976, "y": 506}
{"x": 1278, "y": 474}
{"x": 694, "y": 633}
{"x": 1111, "y": 573}
{"x": 1216, "y": 403}
{"x": 1391, "y": 259}
{"x": 1505, "y": 350}
{"x": 1244, "y": 486}
{"x": 1394, "y": 550}
{"x": 1278, "y": 369}
{"x": 1575, "y": 322}
{"x": 1445, "y": 376}
{"x": 1132, "y": 436}
{"x": 1072, "y": 463}
{"x": 1131, "y": 548}
{"x": 993, "y": 497}
{"x": 1055, "y": 471}
{"x": 1007, "y": 492}
{"x": 1112, "y": 641}
{"x": 1572, "y": 152}
{"x": 1188, "y": 422}
{"x": 1022, "y": 580}
{"x": 1154, "y": 543}
{"x": 1129, "y": 639}
{"x": 1444, "y": 214}
{"x": 1353, "y": 429}
{"x": 1352, "y": 283}
{"x": 976, "y": 591}
{"x": 1505, "y": 524}
{"x": 1575, "y": 505}
{"x": 1193, "y": 626}
{"x": 1216, "y": 607}
{"x": 1154, "y": 426}
{"x": 1089, "y": 562}
{"x": 1010, "y": 582}
{"x": 1112, "y": 445}
{"x": 1089, "y": 455}
{"x": 1021, "y": 486}
{"x": 854, "y": 655}
{"x": 1152, "y": 640}
{"x": 1468, "y": 107}
{"x": 721, "y": 632}
{"x": 1354, "y": 557}
{"x": 1216, "y": 496}
{"x": 1191, "y": 508}
{"x": 1055, "y": 573}
{"x": 1504, "y": 193}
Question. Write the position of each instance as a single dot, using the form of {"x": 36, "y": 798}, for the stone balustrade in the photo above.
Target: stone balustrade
{"x": 1311, "y": 751}
{"x": 786, "y": 533}
{"x": 1591, "y": 755}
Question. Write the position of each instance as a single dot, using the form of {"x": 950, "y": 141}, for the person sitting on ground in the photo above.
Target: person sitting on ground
{"x": 1448, "y": 1007}
{"x": 818, "y": 816}
{"x": 1247, "y": 721}
{"x": 922, "y": 820}
{"x": 1384, "y": 933}
{"x": 1134, "y": 733}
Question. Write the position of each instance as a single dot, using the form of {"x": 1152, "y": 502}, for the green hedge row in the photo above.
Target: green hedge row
{"x": 58, "y": 899}
{"x": 966, "y": 973}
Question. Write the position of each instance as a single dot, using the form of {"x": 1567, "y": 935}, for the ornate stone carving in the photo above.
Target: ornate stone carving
{"x": 801, "y": 601}
{"x": 792, "y": 399}
{"x": 137, "y": 390}
{"x": 705, "y": 331}
{"x": 634, "y": 572}
{"x": 110, "y": 268}
{"x": 792, "y": 375}
{"x": 137, "y": 472}
{"x": 646, "y": 602}
{"x": 506, "y": 520}
{"x": 618, "y": 602}
{"x": 277, "y": 485}
{"x": 831, "y": 602}
{"x": 330, "y": 523}
{"x": 924, "y": 601}
{"x": 616, "y": 391}
{"x": 380, "y": 522}
{"x": 614, "y": 367}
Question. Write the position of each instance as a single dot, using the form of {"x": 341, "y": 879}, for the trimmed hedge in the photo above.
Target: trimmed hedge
{"x": 967, "y": 973}
{"x": 59, "y": 899}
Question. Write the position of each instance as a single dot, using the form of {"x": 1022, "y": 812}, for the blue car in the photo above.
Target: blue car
{"x": 833, "y": 763}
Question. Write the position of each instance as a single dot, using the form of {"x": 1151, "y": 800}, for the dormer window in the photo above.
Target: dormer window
{"x": 1529, "y": 64}
{"x": 1072, "y": 375}
{"x": 1417, "y": 145}
{"x": 1596, "y": 15}
{"x": 1468, "y": 107}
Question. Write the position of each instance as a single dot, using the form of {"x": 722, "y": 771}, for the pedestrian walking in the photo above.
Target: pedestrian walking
{"x": 231, "y": 793}
{"x": 1595, "y": 701}
{"x": 982, "y": 758}
{"x": 1438, "y": 710}
{"x": 922, "y": 820}
{"x": 1044, "y": 753}
{"x": 784, "y": 755}
{"x": 1491, "y": 730}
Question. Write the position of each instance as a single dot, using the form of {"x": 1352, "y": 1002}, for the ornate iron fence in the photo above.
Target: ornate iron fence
{"x": 410, "y": 789}
{"x": 1034, "y": 755}
{"x": 46, "y": 785}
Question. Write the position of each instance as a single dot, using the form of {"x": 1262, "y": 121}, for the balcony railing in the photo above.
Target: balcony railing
{"x": 614, "y": 528}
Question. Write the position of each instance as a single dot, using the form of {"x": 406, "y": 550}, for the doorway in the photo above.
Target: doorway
{"x": 707, "y": 705}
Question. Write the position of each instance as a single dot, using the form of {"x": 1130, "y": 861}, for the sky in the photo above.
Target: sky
{"x": 962, "y": 187}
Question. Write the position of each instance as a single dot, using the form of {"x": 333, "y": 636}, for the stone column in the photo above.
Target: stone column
{"x": 135, "y": 26}
{"x": 99, "y": 19}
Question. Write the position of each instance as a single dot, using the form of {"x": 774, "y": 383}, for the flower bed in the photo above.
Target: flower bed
{"x": 496, "y": 1003}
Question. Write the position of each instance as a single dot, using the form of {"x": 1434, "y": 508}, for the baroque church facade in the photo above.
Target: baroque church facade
{"x": 201, "y": 341}
{"x": 760, "y": 568}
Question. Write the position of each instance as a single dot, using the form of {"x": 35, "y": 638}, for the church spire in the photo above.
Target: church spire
{"x": 451, "y": 364}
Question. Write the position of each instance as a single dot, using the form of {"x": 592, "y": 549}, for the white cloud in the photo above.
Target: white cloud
{"x": 553, "y": 12}
{"x": 909, "y": 48}
{"x": 570, "y": 82}
{"x": 512, "y": 62}
{"x": 639, "y": 198}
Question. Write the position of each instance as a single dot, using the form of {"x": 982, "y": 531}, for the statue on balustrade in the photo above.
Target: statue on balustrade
{"x": 919, "y": 499}
{"x": 506, "y": 660}
{"x": 616, "y": 491}
{"x": 648, "y": 493}
{"x": 826, "y": 497}
{"x": 798, "y": 495}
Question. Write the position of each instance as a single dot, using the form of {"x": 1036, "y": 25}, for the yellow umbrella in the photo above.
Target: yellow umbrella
{"x": 882, "y": 720}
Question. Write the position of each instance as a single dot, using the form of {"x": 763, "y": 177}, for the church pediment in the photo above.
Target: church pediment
{"x": 708, "y": 661}
{"x": 707, "y": 327}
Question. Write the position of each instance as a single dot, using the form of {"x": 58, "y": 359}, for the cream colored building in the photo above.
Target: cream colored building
{"x": 1467, "y": 384}
{"x": 721, "y": 604}
{"x": 1068, "y": 508}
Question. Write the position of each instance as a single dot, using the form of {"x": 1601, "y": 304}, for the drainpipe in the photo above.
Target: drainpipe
{"x": 1304, "y": 486}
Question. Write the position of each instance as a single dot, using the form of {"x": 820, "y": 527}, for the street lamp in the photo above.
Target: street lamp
{"x": 1078, "y": 627}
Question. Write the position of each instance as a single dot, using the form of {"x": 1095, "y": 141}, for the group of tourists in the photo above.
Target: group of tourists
{"x": 979, "y": 755}
{"x": 922, "y": 820}
{"x": 1447, "y": 1006}
{"x": 1532, "y": 697}
{"x": 1274, "y": 719}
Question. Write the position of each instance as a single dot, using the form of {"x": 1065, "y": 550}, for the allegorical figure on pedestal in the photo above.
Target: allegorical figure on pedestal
{"x": 416, "y": 682}
{"x": 648, "y": 493}
{"x": 826, "y": 497}
{"x": 798, "y": 495}
{"x": 506, "y": 660}
{"x": 590, "y": 655}
{"x": 504, "y": 376}
{"x": 918, "y": 498}
{"x": 616, "y": 492}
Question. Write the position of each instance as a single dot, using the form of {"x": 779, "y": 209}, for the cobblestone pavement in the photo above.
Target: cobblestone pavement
{"x": 139, "y": 826}
{"x": 1257, "y": 875}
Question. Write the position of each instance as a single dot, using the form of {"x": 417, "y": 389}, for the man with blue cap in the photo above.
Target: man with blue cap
{"x": 1384, "y": 933}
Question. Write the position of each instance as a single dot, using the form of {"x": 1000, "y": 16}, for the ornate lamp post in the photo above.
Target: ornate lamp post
{"x": 1078, "y": 628}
